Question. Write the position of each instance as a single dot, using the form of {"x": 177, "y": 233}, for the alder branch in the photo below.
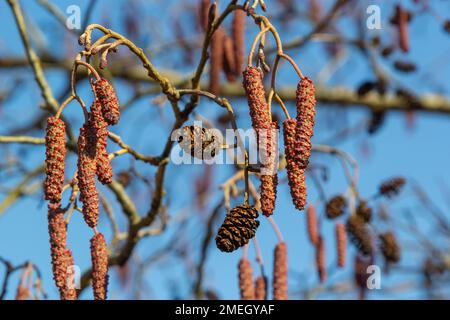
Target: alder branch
{"x": 21, "y": 139}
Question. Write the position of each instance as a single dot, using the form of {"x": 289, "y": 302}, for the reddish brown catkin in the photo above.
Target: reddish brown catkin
{"x": 403, "y": 29}
{"x": 296, "y": 175}
{"x": 106, "y": 94}
{"x": 246, "y": 280}
{"x": 280, "y": 272}
{"x": 216, "y": 60}
{"x": 341, "y": 244}
{"x": 306, "y": 111}
{"x": 55, "y": 143}
{"x": 229, "y": 59}
{"x": 62, "y": 258}
{"x": 269, "y": 179}
{"x": 87, "y": 143}
{"x": 311, "y": 222}
{"x": 99, "y": 257}
{"x": 261, "y": 288}
{"x": 238, "y": 36}
{"x": 103, "y": 164}
{"x": 203, "y": 13}
{"x": 321, "y": 259}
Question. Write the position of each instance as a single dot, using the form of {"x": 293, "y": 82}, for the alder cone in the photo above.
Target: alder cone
{"x": 364, "y": 211}
{"x": 311, "y": 222}
{"x": 280, "y": 272}
{"x": 199, "y": 142}
{"x": 295, "y": 174}
{"x": 392, "y": 187}
{"x": 261, "y": 288}
{"x": 107, "y": 97}
{"x": 335, "y": 207}
{"x": 216, "y": 60}
{"x": 61, "y": 257}
{"x": 341, "y": 244}
{"x": 246, "y": 287}
{"x": 306, "y": 112}
{"x": 99, "y": 258}
{"x": 238, "y": 36}
{"x": 389, "y": 247}
{"x": 238, "y": 228}
{"x": 87, "y": 167}
{"x": 55, "y": 143}
{"x": 360, "y": 235}
{"x": 320, "y": 260}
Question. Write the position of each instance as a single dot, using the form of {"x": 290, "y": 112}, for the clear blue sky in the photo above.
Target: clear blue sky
{"x": 421, "y": 154}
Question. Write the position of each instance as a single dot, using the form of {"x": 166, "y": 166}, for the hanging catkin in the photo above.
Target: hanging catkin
{"x": 99, "y": 258}
{"x": 216, "y": 60}
{"x": 107, "y": 97}
{"x": 238, "y": 36}
{"x": 311, "y": 223}
{"x": 228, "y": 59}
{"x": 341, "y": 244}
{"x": 238, "y": 228}
{"x": 246, "y": 280}
{"x": 269, "y": 178}
{"x": 203, "y": 10}
{"x": 87, "y": 142}
{"x": 296, "y": 175}
{"x": 280, "y": 272}
{"x": 403, "y": 28}
{"x": 55, "y": 143}
{"x": 261, "y": 288}
{"x": 306, "y": 111}
{"x": 320, "y": 259}
{"x": 103, "y": 164}
{"x": 62, "y": 259}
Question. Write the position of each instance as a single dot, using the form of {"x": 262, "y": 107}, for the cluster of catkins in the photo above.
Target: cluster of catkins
{"x": 93, "y": 161}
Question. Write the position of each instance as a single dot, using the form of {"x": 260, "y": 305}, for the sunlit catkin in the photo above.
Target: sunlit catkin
{"x": 238, "y": 36}
{"x": 55, "y": 143}
{"x": 104, "y": 169}
{"x": 321, "y": 259}
{"x": 341, "y": 244}
{"x": 295, "y": 174}
{"x": 216, "y": 60}
{"x": 107, "y": 96}
{"x": 269, "y": 179}
{"x": 306, "y": 111}
{"x": 246, "y": 287}
{"x": 62, "y": 260}
{"x": 99, "y": 259}
{"x": 280, "y": 272}
{"x": 311, "y": 224}
{"x": 261, "y": 288}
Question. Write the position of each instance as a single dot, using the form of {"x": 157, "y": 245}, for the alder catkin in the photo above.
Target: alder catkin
{"x": 61, "y": 257}
{"x": 203, "y": 10}
{"x": 99, "y": 259}
{"x": 55, "y": 143}
{"x": 311, "y": 224}
{"x": 280, "y": 272}
{"x": 403, "y": 28}
{"x": 296, "y": 175}
{"x": 238, "y": 228}
{"x": 22, "y": 293}
{"x": 229, "y": 59}
{"x": 216, "y": 60}
{"x": 389, "y": 247}
{"x": 246, "y": 287}
{"x": 341, "y": 244}
{"x": 306, "y": 111}
{"x": 238, "y": 36}
{"x": 320, "y": 260}
{"x": 359, "y": 235}
{"x": 87, "y": 145}
{"x": 261, "y": 288}
{"x": 107, "y": 97}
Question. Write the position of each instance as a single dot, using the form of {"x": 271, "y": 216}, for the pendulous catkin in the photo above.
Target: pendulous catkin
{"x": 389, "y": 247}
{"x": 238, "y": 228}
{"x": 280, "y": 272}
{"x": 203, "y": 10}
{"x": 246, "y": 287}
{"x": 402, "y": 25}
{"x": 229, "y": 59}
{"x": 216, "y": 60}
{"x": 55, "y": 143}
{"x": 62, "y": 259}
{"x": 335, "y": 207}
{"x": 311, "y": 224}
{"x": 87, "y": 142}
{"x": 341, "y": 244}
{"x": 261, "y": 288}
{"x": 360, "y": 235}
{"x": 256, "y": 97}
{"x": 296, "y": 175}
{"x": 238, "y": 37}
{"x": 99, "y": 258}
{"x": 306, "y": 111}
{"x": 320, "y": 260}
{"x": 107, "y": 97}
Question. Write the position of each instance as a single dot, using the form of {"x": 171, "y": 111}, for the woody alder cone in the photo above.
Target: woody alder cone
{"x": 106, "y": 94}
{"x": 246, "y": 280}
{"x": 62, "y": 258}
{"x": 364, "y": 211}
{"x": 389, "y": 247}
{"x": 392, "y": 187}
{"x": 280, "y": 272}
{"x": 360, "y": 235}
{"x": 99, "y": 257}
{"x": 295, "y": 174}
{"x": 335, "y": 207}
{"x": 238, "y": 228}
{"x": 55, "y": 143}
{"x": 306, "y": 111}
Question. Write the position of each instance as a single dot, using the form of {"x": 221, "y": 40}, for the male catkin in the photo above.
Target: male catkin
{"x": 99, "y": 259}
{"x": 106, "y": 94}
{"x": 280, "y": 272}
{"x": 341, "y": 243}
{"x": 246, "y": 287}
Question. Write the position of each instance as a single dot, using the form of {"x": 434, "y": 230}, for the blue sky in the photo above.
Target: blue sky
{"x": 420, "y": 154}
